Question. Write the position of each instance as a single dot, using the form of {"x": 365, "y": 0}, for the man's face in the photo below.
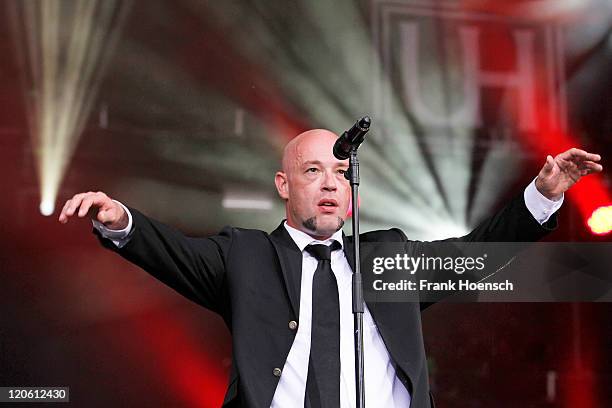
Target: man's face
{"x": 312, "y": 183}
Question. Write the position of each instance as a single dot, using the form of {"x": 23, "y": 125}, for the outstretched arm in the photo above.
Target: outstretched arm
{"x": 194, "y": 267}
{"x": 523, "y": 220}
{"x": 517, "y": 220}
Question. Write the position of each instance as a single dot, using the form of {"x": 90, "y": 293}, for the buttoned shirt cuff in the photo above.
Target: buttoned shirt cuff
{"x": 539, "y": 206}
{"x": 118, "y": 237}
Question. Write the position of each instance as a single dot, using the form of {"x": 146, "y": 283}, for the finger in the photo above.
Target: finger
{"x": 592, "y": 171}
{"x": 103, "y": 216}
{"x": 101, "y": 207}
{"x": 593, "y": 157}
{"x": 549, "y": 165}
{"x": 85, "y": 205}
{"x": 578, "y": 153}
{"x": 566, "y": 155}
{"x": 572, "y": 154}
{"x": 110, "y": 212}
{"x": 589, "y": 165}
{"x": 101, "y": 200}
{"x": 63, "y": 218}
{"x": 581, "y": 155}
{"x": 74, "y": 203}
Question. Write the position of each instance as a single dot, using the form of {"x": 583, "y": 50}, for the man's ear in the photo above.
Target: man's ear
{"x": 282, "y": 185}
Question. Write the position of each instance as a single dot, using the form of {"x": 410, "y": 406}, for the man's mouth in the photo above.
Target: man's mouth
{"x": 328, "y": 205}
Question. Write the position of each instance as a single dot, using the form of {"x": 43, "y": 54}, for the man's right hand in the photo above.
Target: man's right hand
{"x": 98, "y": 206}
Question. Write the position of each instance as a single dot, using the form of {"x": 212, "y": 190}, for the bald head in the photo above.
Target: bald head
{"x": 312, "y": 184}
{"x": 303, "y": 141}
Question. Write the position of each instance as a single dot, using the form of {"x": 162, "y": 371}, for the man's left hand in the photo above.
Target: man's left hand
{"x": 562, "y": 172}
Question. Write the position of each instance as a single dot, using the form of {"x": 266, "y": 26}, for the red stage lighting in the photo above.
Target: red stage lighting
{"x": 600, "y": 221}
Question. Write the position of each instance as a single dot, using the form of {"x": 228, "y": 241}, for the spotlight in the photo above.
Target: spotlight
{"x": 63, "y": 48}
{"x": 47, "y": 207}
{"x": 600, "y": 221}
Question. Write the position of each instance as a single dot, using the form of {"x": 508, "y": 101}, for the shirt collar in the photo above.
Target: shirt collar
{"x": 302, "y": 240}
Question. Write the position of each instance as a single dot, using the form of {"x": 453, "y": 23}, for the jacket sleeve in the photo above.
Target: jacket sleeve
{"x": 513, "y": 223}
{"x": 194, "y": 267}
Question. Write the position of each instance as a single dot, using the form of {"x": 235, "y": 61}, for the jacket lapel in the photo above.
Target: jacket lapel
{"x": 290, "y": 258}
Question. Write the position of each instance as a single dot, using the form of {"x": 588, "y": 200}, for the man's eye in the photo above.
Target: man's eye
{"x": 312, "y": 170}
{"x": 342, "y": 171}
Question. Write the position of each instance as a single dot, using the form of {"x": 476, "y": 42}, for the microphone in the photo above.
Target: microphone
{"x": 352, "y": 138}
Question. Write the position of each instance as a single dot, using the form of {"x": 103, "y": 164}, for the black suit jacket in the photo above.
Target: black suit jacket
{"x": 252, "y": 279}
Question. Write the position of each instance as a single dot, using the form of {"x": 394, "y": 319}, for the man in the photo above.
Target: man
{"x": 287, "y": 300}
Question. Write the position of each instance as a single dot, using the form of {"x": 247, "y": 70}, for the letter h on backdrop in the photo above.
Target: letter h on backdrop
{"x": 476, "y": 71}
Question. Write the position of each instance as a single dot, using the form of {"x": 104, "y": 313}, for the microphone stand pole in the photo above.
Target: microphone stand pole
{"x": 352, "y": 175}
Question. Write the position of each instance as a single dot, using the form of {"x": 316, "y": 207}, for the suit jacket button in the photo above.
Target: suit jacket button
{"x": 277, "y": 372}
{"x": 293, "y": 325}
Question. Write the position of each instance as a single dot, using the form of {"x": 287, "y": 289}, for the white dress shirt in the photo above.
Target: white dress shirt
{"x": 382, "y": 386}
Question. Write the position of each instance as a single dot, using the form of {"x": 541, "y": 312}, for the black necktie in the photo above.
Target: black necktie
{"x": 323, "y": 381}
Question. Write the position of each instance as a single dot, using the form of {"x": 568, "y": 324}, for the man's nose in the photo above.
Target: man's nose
{"x": 329, "y": 182}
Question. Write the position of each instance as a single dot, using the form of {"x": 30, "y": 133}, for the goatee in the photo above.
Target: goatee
{"x": 311, "y": 224}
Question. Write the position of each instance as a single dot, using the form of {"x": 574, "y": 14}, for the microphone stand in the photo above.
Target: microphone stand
{"x": 352, "y": 175}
